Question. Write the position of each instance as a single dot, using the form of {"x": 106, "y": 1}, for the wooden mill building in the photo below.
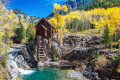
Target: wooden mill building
{"x": 44, "y": 31}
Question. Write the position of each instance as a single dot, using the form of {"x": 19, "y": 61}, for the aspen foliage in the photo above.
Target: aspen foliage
{"x": 58, "y": 19}
{"x": 8, "y": 22}
{"x": 110, "y": 17}
{"x": 96, "y": 18}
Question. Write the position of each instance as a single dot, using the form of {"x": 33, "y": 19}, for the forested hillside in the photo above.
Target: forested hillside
{"x": 85, "y": 20}
{"x": 103, "y": 4}
{"x": 75, "y": 4}
{"x": 88, "y": 4}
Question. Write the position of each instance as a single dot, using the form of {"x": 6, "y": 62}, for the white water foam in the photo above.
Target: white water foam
{"x": 22, "y": 71}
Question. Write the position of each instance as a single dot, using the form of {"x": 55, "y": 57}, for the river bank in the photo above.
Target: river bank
{"x": 78, "y": 53}
{"x": 19, "y": 68}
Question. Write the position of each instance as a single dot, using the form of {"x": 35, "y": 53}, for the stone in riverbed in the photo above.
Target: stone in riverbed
{"x": 76, "y": 75}
{"x": 11, "y": 68}
{"x": 52, "y": 64}
{"x": 40, "y": 64}
{"x": 21, "y": 62}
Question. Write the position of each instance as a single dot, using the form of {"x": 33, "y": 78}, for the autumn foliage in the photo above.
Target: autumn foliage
{"x": 84, "y": 20}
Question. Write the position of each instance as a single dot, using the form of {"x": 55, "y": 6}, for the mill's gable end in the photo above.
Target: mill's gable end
{"x": 45, "y": 29}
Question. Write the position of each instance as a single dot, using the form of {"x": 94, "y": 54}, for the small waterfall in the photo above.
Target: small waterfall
{"x": 22, "y": 71}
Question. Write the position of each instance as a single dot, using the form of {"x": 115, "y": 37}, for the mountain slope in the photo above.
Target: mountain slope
{"x": 103, "y": 4}
{"x": 89, "y": 4}
{"x": 75, "y": 4}
{"x": 31, "y": 19}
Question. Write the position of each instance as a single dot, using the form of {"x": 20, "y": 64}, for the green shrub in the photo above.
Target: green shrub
{"x": 98, "y": 53}
{"x": 112, "y": 57}
{"x": 87, "y": 53}
{"x": 119, "y": 46}
{"x": 83, "y": 43}
{"x": 106, "y": 36}
{"x": 101, "y": 62}
{"x": 111, "y": 47}
{"x": 118, "y": 56}
{"x": 54, "y": 58}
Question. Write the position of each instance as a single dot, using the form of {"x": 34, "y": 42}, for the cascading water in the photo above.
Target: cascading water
{"x": 22, "y": 71}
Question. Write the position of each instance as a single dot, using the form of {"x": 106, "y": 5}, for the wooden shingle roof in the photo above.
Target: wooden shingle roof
{"x": 39, "y": 23}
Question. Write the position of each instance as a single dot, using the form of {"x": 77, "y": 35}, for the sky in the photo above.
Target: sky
{"x": 39, "y": 8}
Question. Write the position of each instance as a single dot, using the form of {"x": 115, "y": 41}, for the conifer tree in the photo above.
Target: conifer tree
{"x": 106, "y": 36}
{"x": 20, "y": 33}
{"x": 30, "y": 35}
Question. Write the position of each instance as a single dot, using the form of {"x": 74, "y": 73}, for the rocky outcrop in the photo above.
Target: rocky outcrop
{"x": 73, "y": 41}
{"x": 86, "y": 44}
{"x": 21, "y": 62}
{"x": 20, "y": 58}
{"x": 12, "y": 70}
{"x": 29, "y": 56}
{"x": 76, "y": 75}
{"x": 82, "y": 54}
{"x": 76, "y": 44}
{"x": 16, "y": 57}
{"x": 26, "y": 18}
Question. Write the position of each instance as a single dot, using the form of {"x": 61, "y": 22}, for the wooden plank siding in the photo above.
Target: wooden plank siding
{"x": 45, "y": 29}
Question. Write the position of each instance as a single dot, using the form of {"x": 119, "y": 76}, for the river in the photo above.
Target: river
{"x": 46, "y": 73}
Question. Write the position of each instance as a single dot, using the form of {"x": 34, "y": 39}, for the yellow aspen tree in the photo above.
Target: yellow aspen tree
{"x": 58, "y": 19}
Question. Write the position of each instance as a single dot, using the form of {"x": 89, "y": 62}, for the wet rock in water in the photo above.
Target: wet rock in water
{"x": 76, "y": 75}
{"x": 52, "y": 64}
{"x": 40, "y": 64}
{"x": 21, "y": 62}
{"x": 13, "y": 72}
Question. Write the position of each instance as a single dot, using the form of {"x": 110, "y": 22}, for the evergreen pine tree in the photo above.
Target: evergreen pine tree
{"x": 106, "y": 36}
{"x": 29, "y": 34}
{"x": 20, "y": 32}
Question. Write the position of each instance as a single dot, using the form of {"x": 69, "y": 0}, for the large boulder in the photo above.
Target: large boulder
{"x": 21, "y": 62}
{"x": 12, "y": 69}
{"x": 75, "y": 75}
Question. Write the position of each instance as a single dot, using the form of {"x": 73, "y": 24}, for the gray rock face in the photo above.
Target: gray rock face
{"x": 76, "y": 75}
{"x": 40, "y": 64}
{"x": 91, "y": 73}
{"x": 26, "y": 18}
{"x": 17, "y": 59}
{"x": 21, "y": 62}
{"x": 82, "y": 43}
{"x": 86, "y": 41}
{"x": 12, "y": 70}
{"x": 22, "y": 56}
